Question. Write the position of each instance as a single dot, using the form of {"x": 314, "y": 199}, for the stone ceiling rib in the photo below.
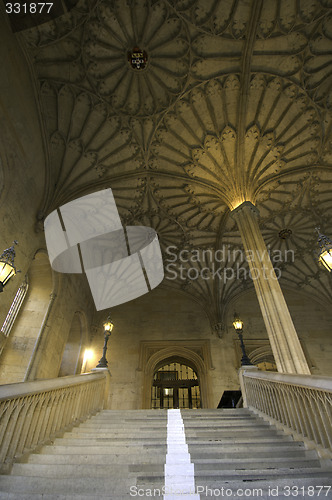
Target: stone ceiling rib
{"x": 239, "y": 157}
{"x": 234, "y": 103}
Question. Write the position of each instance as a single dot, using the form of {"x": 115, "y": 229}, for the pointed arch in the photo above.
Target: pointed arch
{"x": 184, "y": 355}
{"x": 77, "y": 340}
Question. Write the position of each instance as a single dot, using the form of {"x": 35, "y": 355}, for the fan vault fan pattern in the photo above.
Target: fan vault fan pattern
{"x": 233, "y": 104}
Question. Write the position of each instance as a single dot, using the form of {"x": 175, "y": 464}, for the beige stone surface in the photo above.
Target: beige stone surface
{"x": 284, "y": 341}
{"x": 177, "y": 319}
{"x": 234, "y": 104}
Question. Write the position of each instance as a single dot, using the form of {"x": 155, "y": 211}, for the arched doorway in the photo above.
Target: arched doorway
{"x": 176, "y": 352}
{"x": 175, "y": 385}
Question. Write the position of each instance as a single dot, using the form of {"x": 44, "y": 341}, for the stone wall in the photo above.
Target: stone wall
{"x": 169, "y": 317}
{"x": 35, "y": 346}
{"x": 73, "y": 295}
{"x": 312, "y": 321}
{"x": 22, "y": 160}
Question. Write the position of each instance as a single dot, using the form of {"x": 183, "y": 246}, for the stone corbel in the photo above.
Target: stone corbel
{"x": 219, "y": 329}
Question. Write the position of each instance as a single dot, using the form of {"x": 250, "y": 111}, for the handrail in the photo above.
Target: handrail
{"x": 301, "y": 404}
{"x": 9, "y": 391}
{"x": 313, "y": 381}
{"x": 31, "y": 413}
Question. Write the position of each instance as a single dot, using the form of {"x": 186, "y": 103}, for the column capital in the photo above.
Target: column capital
{"x": 245, "y": 204}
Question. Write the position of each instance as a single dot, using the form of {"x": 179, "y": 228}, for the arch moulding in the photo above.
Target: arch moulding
{"x": 196, "y": 353}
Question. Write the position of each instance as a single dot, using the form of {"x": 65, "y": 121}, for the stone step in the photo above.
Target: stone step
{"x": 213, "y": 415}
{"x": 217, "y": 417}
{"x": 88, "y": 485}
{"x": 43, "y": 496}
{"x": 243, "y": 430}
{"x": 199, "y": 411}
{"x": 107, "y": 470}
{"x": 104, "y": 449}
{"x": 123, "y": 426}
{"x": 206, "y": 425}
{"x": 202, "y": 477}
{"x": 322, "y": 478}
{"x": 160, "y": 418}
{"x": 119, "y": 485}
{"x": 130, "y": 418}
{"x": 227, "y": 424}
{"x": 235, "y": 411}
{"x": 133, "y": 417}
{"x": 125, "y": 456}
{"x": 205, "y": 437}
{"x": 119, "y": 429}
{"x": 99, "y": 459}
{"x": 234, "y": 458}
{"x": 81, "y": 470}
{"x": 102, "y": 432}
{"x": 140, "y": 413}
{"x": 245, "y": 453}
{"x": 300, "y": 462}
{"x": 247, "y": 442}
{"x": 143, "y": 425}
{"x": 193, "y": 444}
{"x": 196, "y": 415}
{"x": 163, "y": 430}
{"x": 135, "y": 441}
{"x": 224, "y": 422}
{"x": 247, "y": 439}
{"x": 280, "y": 454}
{"x": 252, "y": 434}
{"x": 207, "y": 451}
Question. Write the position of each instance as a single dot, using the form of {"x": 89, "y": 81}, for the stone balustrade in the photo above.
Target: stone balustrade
{"x": 31, "y": 413}
{"x": 300, "y": 404}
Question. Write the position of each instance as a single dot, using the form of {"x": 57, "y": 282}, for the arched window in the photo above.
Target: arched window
{"x": 19, "y": 350}
{"x": 15, "y": 307}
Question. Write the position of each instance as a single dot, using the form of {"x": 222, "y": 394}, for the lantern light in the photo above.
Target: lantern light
{"x": 7, "y": 267}
{"x": 108, "y": 324}
{"x": 237, "y": 323}
{"x": 108, "y": 327}
{"x": 325, "y": 253}
{"x": 238, "y": 327}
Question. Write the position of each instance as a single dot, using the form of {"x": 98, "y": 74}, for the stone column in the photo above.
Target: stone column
{"x": 284, "y": 341}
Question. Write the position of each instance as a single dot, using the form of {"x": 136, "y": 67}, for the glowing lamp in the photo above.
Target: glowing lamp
{"x": 108, "y": 324}
{"x": 7, "y": 267}
{"x": 325, "y": 253}
{"x": 237, "y": 323}
{"x": 238, "y": 327}
{"x": 108, "y": 327}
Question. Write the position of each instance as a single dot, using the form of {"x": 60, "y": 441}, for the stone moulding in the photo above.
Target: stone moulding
{"x": 196, "y": 353}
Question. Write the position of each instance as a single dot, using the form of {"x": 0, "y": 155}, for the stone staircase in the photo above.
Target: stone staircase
{"x": 122, "y": 454}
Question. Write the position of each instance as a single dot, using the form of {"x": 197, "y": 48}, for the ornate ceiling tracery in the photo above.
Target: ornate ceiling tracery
{"x": 232, "y": 103}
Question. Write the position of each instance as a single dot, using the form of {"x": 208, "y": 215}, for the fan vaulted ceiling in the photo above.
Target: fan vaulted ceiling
{"x": 232, "y": 102}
